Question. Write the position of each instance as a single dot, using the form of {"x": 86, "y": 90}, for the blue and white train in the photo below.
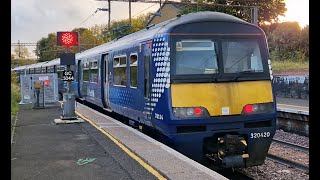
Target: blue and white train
{"x": 203, "y": 80}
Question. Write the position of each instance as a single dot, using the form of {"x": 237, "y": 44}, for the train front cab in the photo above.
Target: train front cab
{"x": 220, "y": 97}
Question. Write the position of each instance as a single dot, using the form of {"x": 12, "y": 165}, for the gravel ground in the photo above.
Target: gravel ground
{"x": 289, "y": 153}
{"x": 273, "y": 170}
{"x": 292, "y": 138}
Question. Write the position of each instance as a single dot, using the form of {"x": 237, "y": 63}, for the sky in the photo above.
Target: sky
{"x": 33, "y": 19}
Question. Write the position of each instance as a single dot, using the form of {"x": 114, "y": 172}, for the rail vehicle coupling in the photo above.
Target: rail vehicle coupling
{"x": 228, "y": 151}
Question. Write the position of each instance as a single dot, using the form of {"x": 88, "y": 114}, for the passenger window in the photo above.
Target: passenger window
{"x": 119, "y": 69}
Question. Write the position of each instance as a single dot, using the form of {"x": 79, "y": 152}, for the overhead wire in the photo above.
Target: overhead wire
{"x": 92, "y": 15}
{"x": 145, "y": 9}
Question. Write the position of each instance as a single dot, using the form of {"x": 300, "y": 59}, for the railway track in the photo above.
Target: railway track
{"x": 295, "y": 146}
{"x": 288, "y": 162}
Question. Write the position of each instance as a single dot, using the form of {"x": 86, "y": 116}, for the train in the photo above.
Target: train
{"x": 203, "y": 80}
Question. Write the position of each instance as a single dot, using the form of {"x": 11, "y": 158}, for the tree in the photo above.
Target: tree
{"x": 98, "y": 31}
{"x": 21, "y": 52}
{"x": 268, "y": 10}
{"x": 122, "y": 27}
{"x": 47, "y": 48}
{"x": 287, "y": 41}
{"x": 285, "y": 37}
{"x": 87, "y": 40}
{"x": 20, "y": 62}
{"x": 304, "y": 41}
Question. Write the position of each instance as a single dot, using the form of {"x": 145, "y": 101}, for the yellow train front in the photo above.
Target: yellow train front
{"x": 211, "y": 92}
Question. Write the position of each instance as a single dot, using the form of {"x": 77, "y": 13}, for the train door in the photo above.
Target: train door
{"x": 79, "y": 78}
{"x": 146, "y": 72}
{"x": 106, "y": 79}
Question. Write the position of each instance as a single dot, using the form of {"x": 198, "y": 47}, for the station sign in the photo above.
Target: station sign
{"x": 68, "y": 76}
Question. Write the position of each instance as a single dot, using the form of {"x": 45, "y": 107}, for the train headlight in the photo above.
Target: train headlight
{"x": 258, "y": 108}
{"x": 188, "y": 112}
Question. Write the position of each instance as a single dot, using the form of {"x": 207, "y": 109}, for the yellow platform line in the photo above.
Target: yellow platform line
{"x": 125, "y": 149}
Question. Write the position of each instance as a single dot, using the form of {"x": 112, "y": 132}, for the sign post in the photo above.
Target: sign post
{"x": 68, "y": 59}
{"x": 68, "y": 39}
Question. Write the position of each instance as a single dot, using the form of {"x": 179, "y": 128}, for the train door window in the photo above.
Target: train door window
{"x": 146, "y": 76}
{"x": 119, "y": 68}
{"x": 133, "y": 70}
{"x": 86, "y": 71}
{"x": 94, "y": 71}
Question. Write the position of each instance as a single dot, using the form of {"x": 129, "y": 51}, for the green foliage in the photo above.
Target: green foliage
{"x": 98, "y": 31}
{"x": 122, "y": 27}
{"x": 268, "y": 10}
{"x": 15, "y": 99}
{"x": 15, "y": 94}
{"x": 287, "y": 41}
{"x": 87, "y": 40}
{"x": 21, "y": 52}
{"x": 47, "y": 48}
{"x": 304, "y": 41}
{"x": 20, "y": 62}
{"x": 14, "y": 77}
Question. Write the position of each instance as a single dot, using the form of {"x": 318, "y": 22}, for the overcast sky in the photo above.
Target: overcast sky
{"x": 33, "y": 19}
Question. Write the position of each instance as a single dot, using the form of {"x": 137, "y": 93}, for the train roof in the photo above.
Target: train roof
{"x": 53, "y": 62}
{"x": 164, "y": 27}
{"x": 19, "y": 68}
{"x": 37, "y": 65}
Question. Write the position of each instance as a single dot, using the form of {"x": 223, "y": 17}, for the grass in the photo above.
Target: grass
{"x": 288, "y": 65}
{"x": 15, "y": 99}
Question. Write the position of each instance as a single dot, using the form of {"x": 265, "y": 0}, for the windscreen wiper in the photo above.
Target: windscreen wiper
{"x": 248, "y": 71}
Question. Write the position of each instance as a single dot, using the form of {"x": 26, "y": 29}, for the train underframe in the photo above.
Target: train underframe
{"x": 233, "y": 148}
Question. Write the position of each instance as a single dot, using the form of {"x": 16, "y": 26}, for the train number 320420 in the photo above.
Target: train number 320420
{"x": 260, "y": 135}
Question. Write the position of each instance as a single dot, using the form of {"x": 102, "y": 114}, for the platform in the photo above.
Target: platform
{"x": 99, "y": 148}
{"x": 290, "y": 105}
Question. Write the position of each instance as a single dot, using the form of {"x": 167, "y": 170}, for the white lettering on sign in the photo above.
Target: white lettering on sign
{"x": 67, "y": 76}
{"x": 43, "y": 78}
{"x": 225, "y": 110}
